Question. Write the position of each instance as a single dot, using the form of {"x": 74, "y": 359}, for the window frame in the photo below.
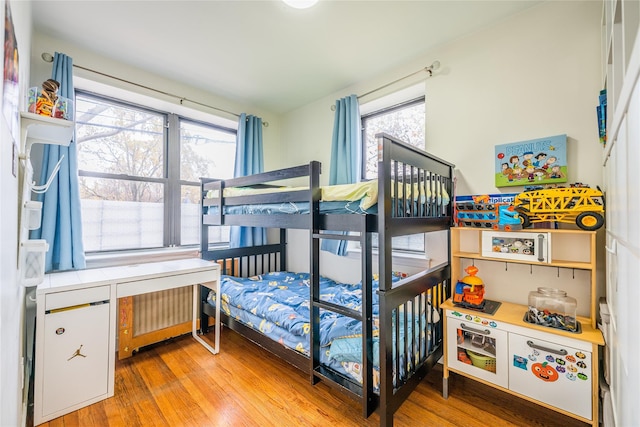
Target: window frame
{"x": 421, "y": 99}
{"x": 171, "y": 179}
{"x": 377, "y": 113}
{"x": 183, "y": 182}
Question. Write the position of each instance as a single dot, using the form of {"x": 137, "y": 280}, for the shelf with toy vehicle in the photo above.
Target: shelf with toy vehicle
{"x": 577, "y": 204}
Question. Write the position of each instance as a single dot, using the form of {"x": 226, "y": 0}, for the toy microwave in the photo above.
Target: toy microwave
{"x": 532, "y": 247}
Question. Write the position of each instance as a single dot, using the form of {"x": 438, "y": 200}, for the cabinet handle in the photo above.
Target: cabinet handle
{"x": 561, "y": 352}
{"x": 540, "y": 242}
{"x": 477, "y": 331}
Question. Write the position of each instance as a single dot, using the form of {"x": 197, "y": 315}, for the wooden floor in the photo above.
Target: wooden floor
{"x": 179, "y": 383}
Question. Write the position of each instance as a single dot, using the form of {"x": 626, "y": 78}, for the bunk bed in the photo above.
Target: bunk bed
{"x": 386, "y": 341}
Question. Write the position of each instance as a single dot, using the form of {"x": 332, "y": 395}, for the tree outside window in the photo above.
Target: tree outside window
{"x": 131, "y": 168}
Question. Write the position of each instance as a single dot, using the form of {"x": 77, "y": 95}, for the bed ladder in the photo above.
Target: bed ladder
{"x": 364, "y": 393}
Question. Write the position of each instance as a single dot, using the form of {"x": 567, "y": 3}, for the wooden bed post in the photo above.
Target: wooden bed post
{"x": 368, "y": 402}
{"x": 314, "y": 252}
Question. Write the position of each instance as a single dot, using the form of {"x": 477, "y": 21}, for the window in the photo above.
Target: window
{"x": 139, "y": 174}
{"x": 405, "y": 121}
{"x": 205, "y": 151}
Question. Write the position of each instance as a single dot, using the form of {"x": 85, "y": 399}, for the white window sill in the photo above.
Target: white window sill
{"x": 114, "y": 259}
{"x": 409, "y": 259}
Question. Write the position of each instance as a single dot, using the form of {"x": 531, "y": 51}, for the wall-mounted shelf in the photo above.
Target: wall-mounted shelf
{"x": 34, "y": 129}
{"x": 37, "y": 129}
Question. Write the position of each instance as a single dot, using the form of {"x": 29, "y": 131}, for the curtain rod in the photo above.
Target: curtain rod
{"x": 429, "y": 69}
{"x": 47, "y": 57}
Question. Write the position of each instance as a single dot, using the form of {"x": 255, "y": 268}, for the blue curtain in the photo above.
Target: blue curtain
{"x": 249, "y": 161}
{"x": 61, "y": 217}
{"x": 345, "y": 149}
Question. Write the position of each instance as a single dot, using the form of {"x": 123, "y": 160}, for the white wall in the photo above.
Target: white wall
{"x": 41, "y": 71}
{"x": 12, "y": 295}
{"x": 536, "y": 74}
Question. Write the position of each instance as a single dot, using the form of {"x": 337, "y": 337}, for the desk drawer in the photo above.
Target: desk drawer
{"x": 76, "y": 297}
{"x": 139, "y": 287}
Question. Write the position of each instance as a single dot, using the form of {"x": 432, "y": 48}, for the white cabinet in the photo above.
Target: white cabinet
{"x": 553, "y": 369}
{"x": 73, "y": 351}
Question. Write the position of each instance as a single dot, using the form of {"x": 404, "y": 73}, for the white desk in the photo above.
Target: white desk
{"x": 76, "y": 327}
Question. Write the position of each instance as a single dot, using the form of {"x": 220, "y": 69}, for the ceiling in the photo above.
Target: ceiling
{"x": 264, "y": 53}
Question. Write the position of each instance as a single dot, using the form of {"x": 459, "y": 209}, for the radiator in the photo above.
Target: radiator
{"x": 151, "y": 318}
{"x": 160, "y": 310}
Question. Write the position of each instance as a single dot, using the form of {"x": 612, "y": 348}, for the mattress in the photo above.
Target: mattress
{"x": 277, "y": 305}
{"x": 361, "y": 197}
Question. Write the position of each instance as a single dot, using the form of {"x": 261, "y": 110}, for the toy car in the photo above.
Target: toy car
{"x": 581, "y": 205}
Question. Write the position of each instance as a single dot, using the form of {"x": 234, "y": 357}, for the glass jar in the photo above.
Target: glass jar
{"x": 552, "y": 307}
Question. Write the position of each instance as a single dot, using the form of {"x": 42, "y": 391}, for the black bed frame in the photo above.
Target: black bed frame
{"x": 400, "y": 166}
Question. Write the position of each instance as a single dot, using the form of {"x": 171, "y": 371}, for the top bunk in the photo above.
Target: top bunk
{"x": 412, "y": 194}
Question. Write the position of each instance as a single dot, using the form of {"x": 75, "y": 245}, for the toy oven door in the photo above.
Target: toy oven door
{"x": 477, "y": 349}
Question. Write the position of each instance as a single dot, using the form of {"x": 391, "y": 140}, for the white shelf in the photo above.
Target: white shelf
{"x": 44, "y": 130}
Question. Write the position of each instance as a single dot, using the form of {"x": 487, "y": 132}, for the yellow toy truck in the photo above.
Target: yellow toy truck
{"x": 583, "y": 206}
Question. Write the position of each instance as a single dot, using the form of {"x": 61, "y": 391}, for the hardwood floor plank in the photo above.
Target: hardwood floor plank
{"x": 179, "y": 383}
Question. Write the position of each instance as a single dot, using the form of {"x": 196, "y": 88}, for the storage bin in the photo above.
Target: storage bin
{"x": 552, "y": 307}
{"x": 483, "y": 362}
{"x": 31, "y": 266}
{"x": 32, "y": 214}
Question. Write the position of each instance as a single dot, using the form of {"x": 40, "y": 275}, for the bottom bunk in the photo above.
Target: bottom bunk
{"x": 270, "y": 306}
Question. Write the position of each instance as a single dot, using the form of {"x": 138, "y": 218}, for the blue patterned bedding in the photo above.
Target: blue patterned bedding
{"x": 357, "y": 198}
{"x": 338, "y": 207}
{"x": 277, "y": 305}
{"x": 302, "y": 208}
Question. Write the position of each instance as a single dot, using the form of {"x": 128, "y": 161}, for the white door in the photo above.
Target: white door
{"x": 551, "y": 373}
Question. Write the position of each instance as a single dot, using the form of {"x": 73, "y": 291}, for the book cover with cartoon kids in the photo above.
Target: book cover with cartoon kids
{"x": 534, "y": 162}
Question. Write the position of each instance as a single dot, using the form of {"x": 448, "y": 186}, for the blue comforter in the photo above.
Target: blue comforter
{"x": 281, "y": 300}
{"x": 277, "y": 305}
